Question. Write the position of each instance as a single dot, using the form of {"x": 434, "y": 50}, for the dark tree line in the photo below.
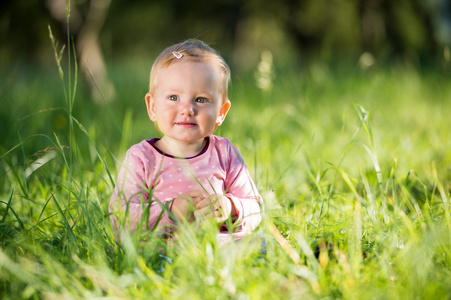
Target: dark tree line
{"x": 335, "y": 28}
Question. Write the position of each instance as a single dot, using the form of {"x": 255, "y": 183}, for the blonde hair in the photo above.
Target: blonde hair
{"x": 191, "y": 49}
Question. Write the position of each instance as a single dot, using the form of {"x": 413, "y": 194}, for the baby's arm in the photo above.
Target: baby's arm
{"x": 242, "y": 192}
{"x": 240, "y": 201}
{"x": 129, "y": 203}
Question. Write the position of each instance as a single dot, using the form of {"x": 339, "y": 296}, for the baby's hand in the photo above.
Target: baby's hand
{"x": 221, "y": 209}
{"x": 184, "y": 205}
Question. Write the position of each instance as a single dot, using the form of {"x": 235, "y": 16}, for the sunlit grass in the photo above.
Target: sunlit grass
{"x": 354, "y": 167}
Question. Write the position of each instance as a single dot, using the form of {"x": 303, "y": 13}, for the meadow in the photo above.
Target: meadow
{"x": 354, "y": 166}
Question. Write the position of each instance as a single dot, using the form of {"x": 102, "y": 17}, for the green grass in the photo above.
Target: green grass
{"x": 354, "y": 167}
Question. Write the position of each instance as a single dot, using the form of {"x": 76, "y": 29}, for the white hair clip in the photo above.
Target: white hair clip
{"x": 178, "y": 55}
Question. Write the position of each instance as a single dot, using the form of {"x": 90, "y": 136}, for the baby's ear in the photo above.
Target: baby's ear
{"x": 223, "y": 112}
{"x": 150, "y": 104}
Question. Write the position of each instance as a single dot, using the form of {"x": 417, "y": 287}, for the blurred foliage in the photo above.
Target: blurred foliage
{"x": 413, "y": 31}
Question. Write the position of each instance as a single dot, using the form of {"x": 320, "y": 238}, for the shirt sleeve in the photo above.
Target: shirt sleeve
{"x": 129, "y": 205}
{"x": 241, "y": 190}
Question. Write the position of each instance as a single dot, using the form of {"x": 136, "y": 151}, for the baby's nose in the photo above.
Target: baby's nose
{"x": 187, "y": 108}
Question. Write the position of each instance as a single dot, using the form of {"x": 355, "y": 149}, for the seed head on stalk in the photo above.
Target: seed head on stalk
{"x": 58, "y": 54}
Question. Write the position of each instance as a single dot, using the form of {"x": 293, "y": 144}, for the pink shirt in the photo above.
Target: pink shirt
{"x": 219, "y": 170}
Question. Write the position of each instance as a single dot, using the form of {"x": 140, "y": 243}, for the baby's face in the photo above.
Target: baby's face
{"x": 188, "y": 102}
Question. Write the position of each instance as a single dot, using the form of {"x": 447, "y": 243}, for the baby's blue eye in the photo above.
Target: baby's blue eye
{"x": 173, "y": 98}
{"x": 201, "y": 100}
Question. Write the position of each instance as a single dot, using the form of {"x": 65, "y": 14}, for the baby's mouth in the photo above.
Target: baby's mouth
{"x": 185, "y": 124}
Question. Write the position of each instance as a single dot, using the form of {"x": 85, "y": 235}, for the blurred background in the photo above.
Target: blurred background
{"x": 413, "y": 31}
{"x": 116, "y": 43}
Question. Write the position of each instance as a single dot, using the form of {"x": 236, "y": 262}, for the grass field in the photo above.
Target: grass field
{"x": 354, "y": 166}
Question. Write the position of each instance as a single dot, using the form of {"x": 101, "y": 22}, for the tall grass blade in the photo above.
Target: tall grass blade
{"x": 96, "y": 150}
{"x": 66, "y": 224}
{"x": 19, "y": 180}
{"x": 444, "y": 196}
{"x": 8, "y": 207}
